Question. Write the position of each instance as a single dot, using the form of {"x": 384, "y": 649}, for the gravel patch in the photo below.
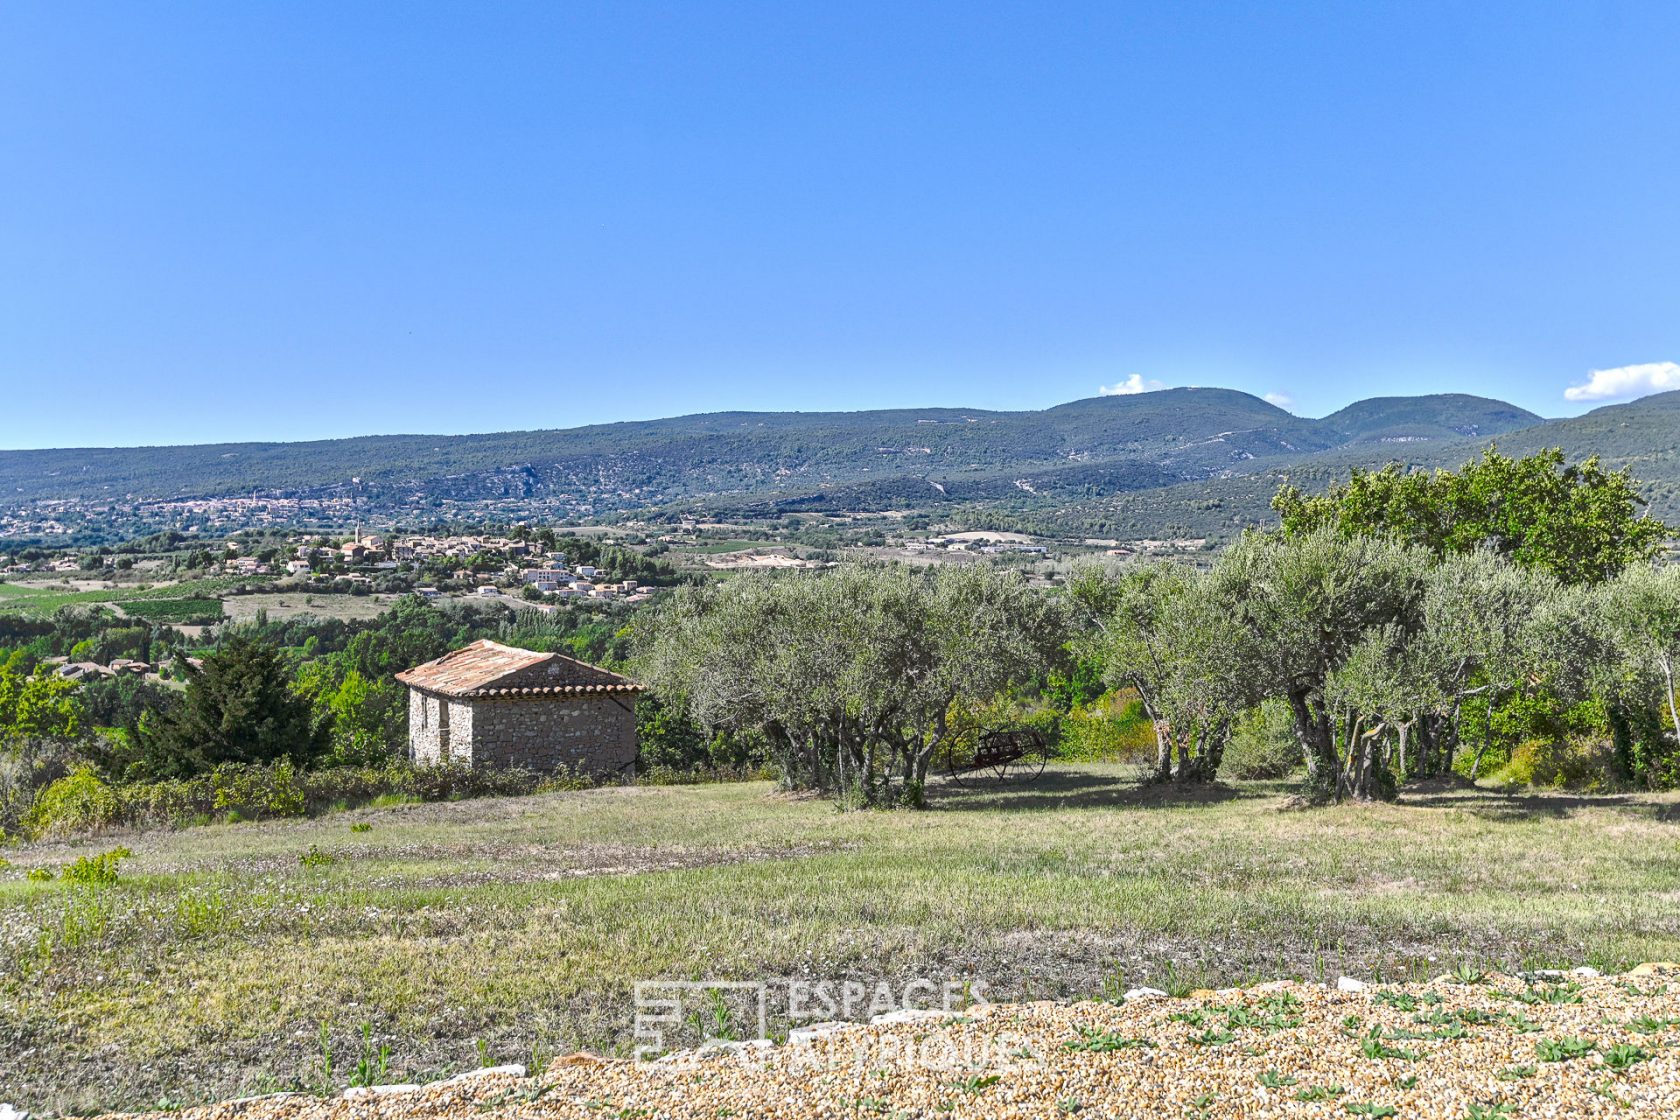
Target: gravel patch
{"x": 1532, "y": 1045}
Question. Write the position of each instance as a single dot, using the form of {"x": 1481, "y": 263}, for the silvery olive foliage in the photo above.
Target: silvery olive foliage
{"x": 852, "y": 675}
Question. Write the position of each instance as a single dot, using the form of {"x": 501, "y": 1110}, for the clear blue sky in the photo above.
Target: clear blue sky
{"x": 237, "y": 220}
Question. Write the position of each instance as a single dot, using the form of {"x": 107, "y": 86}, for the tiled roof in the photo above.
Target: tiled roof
{"x": 478, "y": 669}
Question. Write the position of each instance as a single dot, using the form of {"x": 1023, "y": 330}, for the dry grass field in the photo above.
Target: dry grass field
{"x": 488, "y": 930}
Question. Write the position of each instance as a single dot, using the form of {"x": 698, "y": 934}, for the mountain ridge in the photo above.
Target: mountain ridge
{"x": 1076, "y": 453}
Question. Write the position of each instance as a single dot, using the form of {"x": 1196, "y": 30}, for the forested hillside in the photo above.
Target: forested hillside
{"x": 1178, "y": 461}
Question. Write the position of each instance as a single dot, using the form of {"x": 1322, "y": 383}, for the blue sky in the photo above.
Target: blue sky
{"x": 248, "y": 221}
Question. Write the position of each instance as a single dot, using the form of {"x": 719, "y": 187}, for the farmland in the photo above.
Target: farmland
{"x": 491, "y": 928}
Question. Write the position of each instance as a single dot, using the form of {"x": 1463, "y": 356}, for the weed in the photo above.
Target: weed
{"x": 371, "y": 1067}
{"x": 323, "y": 1041}
{"x": 1468, "y": 974}
{"x": 200, "y": 912}
{"x": 1320, "y": 1093}
{"x": 1625, "y": 1056}
{"x": 1563, "y": 1049}
{"x": 977, "y": 1084}
{"x": 1102, "y": 1042}
{"x": 361, "y": 826}
{"x": 1400, "y": 1001}
{"x": 1272, "y": 1079}
{"x": 1372, "y": 1046}
{"x": 98, "y": 871}
{"x": 1213, "y": 1036}
{"x": 1488, "y": 1111}
{"x": 315, "y": 857}
{"x": 1070, "y": 1106}
{"x": 1515, "y": 1073}
{"x": 1370, "y": 1109}
{"x": 1175, "y": 985}
{"x": 1646, "y": 1024}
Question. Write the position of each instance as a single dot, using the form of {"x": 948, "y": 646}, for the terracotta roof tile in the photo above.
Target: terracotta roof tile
{"x": 482, "y": 668}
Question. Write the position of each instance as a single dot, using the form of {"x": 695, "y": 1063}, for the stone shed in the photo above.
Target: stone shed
{"x": 489, "y": 705}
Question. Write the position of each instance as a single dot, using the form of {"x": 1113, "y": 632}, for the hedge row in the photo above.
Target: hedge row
{"x": 84, "y": 802}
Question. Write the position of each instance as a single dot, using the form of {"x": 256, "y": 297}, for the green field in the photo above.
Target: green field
{"x": 175, "y": 612}
{"x": 519, "y": 923}
{"x": 40, "y": 599}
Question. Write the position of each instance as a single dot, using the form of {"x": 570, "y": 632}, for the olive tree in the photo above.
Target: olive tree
{"x": 1479, "y": 637}
{"x": 1163, "y": 629}
{"x": 1302, "y": 606}
{"x": 851, "y": 675}
{"x": 1641, "y": 609}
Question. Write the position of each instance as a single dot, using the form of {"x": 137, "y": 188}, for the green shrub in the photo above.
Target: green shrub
{"x": 1114, "y": 729}
{"x": 39, "y": 875}
{"x": 78, "y": 802}
{"x": 260, "y": 791}
{"x": 315, "y": 857}
{"x": 96, "y": 871}
{"x": 1577, "y": 764}
{"x": 1263, "y": 744}
{"x": 83, "y": 802}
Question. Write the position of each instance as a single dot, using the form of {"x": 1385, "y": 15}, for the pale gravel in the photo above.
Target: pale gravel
{"x": 1013, "y": 1060}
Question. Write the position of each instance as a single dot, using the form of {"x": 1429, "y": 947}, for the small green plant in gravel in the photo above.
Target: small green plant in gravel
{"x": 1101, "y": 1042}
{"x": 1521, "y": 1023}
{"x": 1515, "y": 1073}
{"x": 1272, "y": 1079}
{"x": 1364, "y": 1109}
{"x": 1563, "y": 1049}
{"x": 1070, "y": 1106}
{"x": 977, "y": 1084}
{"x": 1647, "y": 1024}
{"x": 1320, "y": 1093}
{"x": 1468, "y": 974}
{"x": 1372, "y": 1046}
{"x": 1400, "y": 1001}
{"x": 1497, "y": 1111}
{"x": 1625, "y": 1056}
{"x": 1213, "y": 1036}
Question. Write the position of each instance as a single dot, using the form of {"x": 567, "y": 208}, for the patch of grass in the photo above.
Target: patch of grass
{"x": 509, "y": 918}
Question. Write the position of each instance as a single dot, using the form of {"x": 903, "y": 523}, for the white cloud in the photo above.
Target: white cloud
{"x": 1282, "y": 400}
{"x": 1626, "y": 382}
{"x": 1133, "y": 385}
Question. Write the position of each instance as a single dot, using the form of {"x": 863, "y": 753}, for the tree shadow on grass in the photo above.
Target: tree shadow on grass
{"x": 1061, "y": 788}
{"x": 1526, "y": 804}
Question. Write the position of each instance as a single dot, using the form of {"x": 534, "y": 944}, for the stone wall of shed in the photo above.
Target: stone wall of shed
{"x": 594, "y": 734}
{"x": 431, "y": 738}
